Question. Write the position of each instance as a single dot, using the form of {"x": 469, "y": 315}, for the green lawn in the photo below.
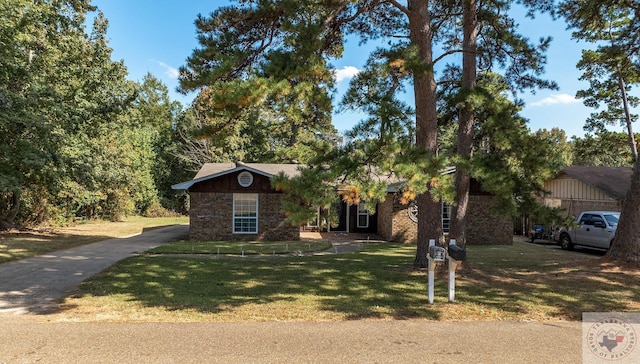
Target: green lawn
{"x": 20, "y": 244}
{"x": 519, "y": 282}
{"x": 240, "y": 248}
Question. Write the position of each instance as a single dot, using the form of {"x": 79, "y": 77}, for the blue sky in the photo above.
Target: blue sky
{"x": 157, "y": 36}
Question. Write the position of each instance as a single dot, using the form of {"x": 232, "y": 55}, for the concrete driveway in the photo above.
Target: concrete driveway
{"x": 35, "y": 285}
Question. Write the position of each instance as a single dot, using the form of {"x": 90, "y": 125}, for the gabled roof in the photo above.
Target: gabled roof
{"x": 612, "y": 181}
{"x": 215, "y": 170}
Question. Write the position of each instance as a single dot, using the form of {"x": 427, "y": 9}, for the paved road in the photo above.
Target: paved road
{"x": 34, "y": 285}
{"x": 409, "y": 341}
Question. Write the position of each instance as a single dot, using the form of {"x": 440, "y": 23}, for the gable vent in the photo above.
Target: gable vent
{"x": 245, "y": 179}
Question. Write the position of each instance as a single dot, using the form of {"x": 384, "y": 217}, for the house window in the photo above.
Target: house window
{"x": 363, "y": 216}
{"x": 412, "y": 211}
{"x": 446, "y": 217}
{"x": 315, "y": 221}
{"x": 245, "y": 213}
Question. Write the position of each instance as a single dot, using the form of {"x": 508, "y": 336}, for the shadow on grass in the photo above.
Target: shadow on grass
{"x": 371, "y": 284}
{"x": 23, "y": 244}
{"x": 18, "y": 244}
{"x": 533, "y": 280}
{"x": 523, "y": 281}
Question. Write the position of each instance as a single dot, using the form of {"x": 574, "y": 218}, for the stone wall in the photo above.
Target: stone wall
{"x": 211, "y": 218}
{"x": 394, "y": 223}
{"x": 483, "y": 225}
{"x": 384, "y": 215}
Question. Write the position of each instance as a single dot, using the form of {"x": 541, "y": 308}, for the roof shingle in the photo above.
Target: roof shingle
{"x": 613, "y": 181}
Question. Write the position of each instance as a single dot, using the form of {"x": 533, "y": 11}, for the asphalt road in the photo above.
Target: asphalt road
{"x": 409, "y": 341}
{"x": 35, "y": 285}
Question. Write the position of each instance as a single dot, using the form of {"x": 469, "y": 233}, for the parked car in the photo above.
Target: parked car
{"x": 594, "y": 229}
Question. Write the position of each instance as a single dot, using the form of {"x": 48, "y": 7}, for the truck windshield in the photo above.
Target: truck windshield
{"x": 612, "y": 219}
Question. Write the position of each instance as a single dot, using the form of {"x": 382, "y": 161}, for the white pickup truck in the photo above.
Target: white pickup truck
{"x": 594, "y": 229}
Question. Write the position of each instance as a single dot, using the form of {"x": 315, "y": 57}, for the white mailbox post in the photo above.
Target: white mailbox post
{"x": 456, "y": 255}
{"x": 435, "y": 254}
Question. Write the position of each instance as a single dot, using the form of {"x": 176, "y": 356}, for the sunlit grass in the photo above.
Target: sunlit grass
{"x": 519, "y": 282}
{"x": 15, "y": 244}
{"x": 240, "y": 248}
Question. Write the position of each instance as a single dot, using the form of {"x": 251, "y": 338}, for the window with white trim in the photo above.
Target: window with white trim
{"x": 363, "y": 216}
{"x": 315, "y": 221}
{"x": 245, "y": 213}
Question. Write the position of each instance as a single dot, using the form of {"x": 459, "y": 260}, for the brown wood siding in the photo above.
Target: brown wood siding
{"x": 229, "y": 184}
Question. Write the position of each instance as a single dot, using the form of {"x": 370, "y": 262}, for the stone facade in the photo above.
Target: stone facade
{"x": 211, "y": 218}
{"x": 394, "y": 223}
{"x": 211, "y": 211}
{"x": 483, "y": 225}
{"x": 212, "y": 207}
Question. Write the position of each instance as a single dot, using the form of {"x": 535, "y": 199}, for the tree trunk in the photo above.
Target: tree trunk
{"x": 627, "y": 117}
{"x": 626, "y": 245}
{"x": 13, "y": 208}
{"x": 429, "y": 225}
{"x": 465, "y": 125}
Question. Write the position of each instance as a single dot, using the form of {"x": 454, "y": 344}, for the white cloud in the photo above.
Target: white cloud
{"x": 345, "y": 73}
{"x": 555, "y": 99}
{"x": 169, "y": 71}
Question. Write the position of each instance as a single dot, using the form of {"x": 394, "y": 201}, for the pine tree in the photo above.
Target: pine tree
{"x": 617, "y": 22}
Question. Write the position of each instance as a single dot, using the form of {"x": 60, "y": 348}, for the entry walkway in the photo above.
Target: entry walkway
{"x": 35, "y": 285}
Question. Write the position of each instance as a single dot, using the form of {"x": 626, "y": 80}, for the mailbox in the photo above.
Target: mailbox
{"x": 437, "y": 253}
{"x": 457, "y": 253}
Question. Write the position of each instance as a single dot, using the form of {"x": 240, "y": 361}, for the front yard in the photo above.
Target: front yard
{"x": 20, "y": 244}
{"x": 520, "y": 282}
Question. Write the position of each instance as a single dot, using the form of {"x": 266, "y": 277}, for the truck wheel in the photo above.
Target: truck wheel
{"x": 565, "y": 242}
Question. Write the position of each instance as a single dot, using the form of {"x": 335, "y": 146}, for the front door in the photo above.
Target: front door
{"x": 341, "y": 210}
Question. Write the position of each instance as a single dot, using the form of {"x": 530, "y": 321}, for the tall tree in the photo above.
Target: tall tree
{"x": 293, "y": 41}
{"x": 74, "y": 148}
{"x": 152, "y": 121}
{"x": 490, "y": 39}
{"x": 251, "y": 79}
{"x": 509, "y": 160}
{"x": 466, "y": 122}
{"x": 242, "y": 44}
{"x": 609, "y": 69}
{"x": 594, "y": 17}
{"x": 605, "y": 148}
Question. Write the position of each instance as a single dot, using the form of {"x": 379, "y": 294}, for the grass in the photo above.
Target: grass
{"x": 520, "y": 282}
{"x": 240, "y": 248}
{"x": 20, "y": 244}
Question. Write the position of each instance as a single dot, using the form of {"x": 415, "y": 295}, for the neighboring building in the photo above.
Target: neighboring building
{"x": 235, "y": 201}
{"x": 578, "y": 189}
